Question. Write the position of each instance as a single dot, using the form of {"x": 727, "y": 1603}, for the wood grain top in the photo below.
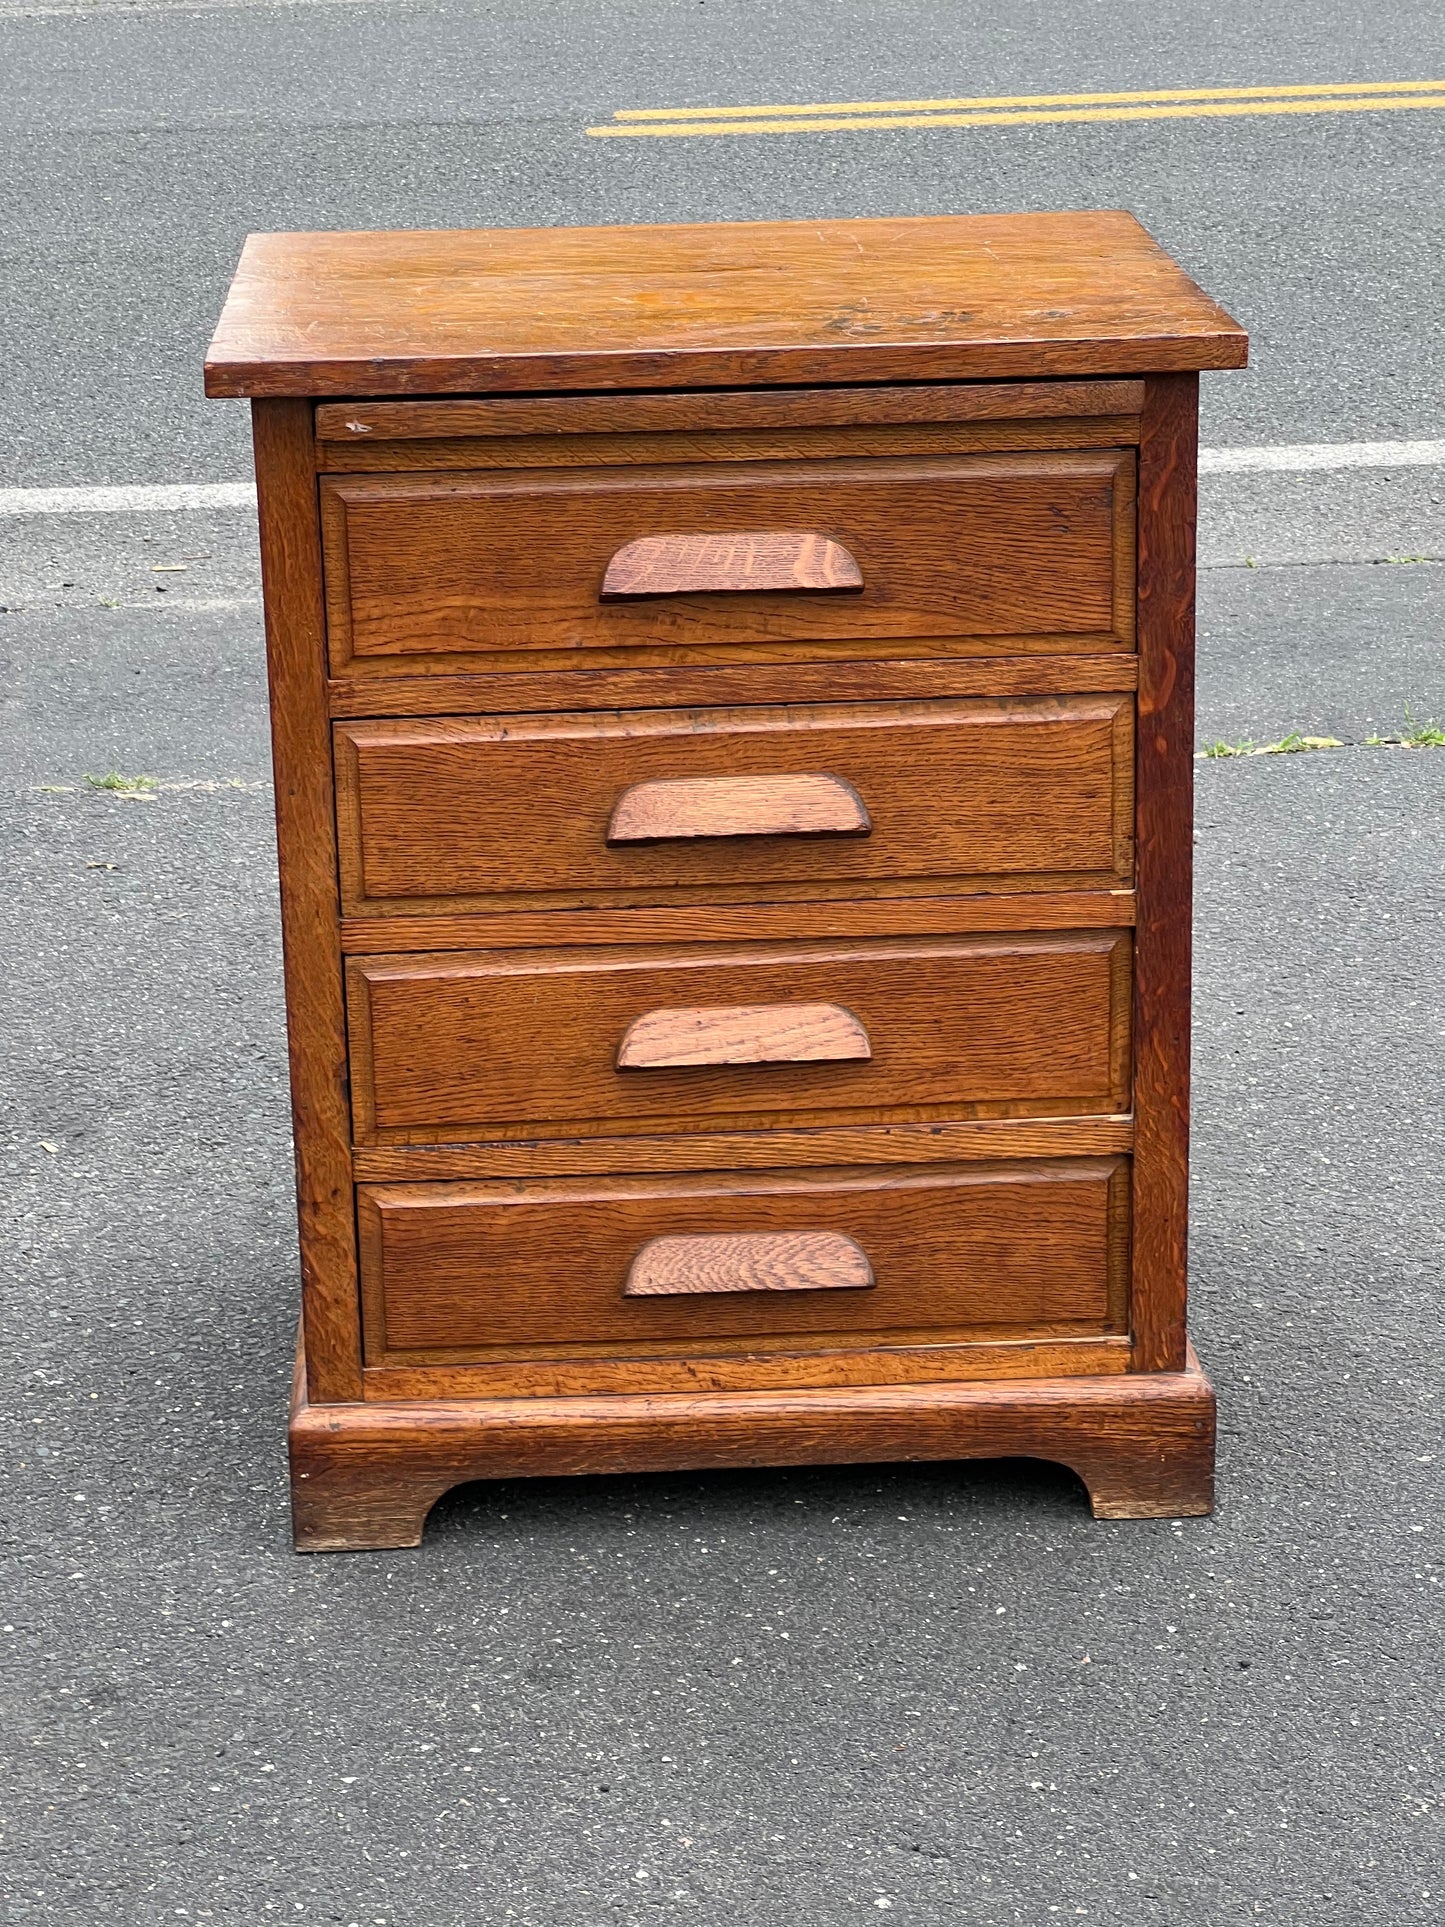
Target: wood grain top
{"x": 950, "y": 298}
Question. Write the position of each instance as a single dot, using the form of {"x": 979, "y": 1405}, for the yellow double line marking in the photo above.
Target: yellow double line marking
{"x": 1015, "y": 110}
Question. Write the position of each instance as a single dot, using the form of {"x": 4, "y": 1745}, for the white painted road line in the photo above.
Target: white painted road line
{"x": 1282, "y": 458}
{"x": 127, "y": 501}
{"x": 1301, "y": 458}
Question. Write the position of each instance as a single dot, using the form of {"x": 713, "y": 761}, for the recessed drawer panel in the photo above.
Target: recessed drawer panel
{"x": 690, "y": 805}
{"x": 1014, "y": 551}
{"x": 560, "y": 1043}
{"x": 1009, "y": 1251}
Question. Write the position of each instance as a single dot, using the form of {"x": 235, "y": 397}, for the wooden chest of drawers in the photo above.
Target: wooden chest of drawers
{"x": 731, "y": 698}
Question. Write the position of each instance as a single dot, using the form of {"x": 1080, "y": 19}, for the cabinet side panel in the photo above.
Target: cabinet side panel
{"x": 1164, "y": 769}
{"x": 310, "y": 908}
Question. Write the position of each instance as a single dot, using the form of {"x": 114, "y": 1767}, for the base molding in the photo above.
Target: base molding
{"x": 364, "y": 1476}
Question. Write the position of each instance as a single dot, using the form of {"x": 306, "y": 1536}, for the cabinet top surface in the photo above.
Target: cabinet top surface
{"x": 952, "y": 298}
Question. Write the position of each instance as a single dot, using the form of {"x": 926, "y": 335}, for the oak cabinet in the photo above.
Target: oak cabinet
{"x": 733, "y": 779}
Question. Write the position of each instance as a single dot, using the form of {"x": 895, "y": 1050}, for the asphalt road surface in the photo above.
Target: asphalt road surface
{"x": 141, "y": 145}
{"x": 943, "y": 1693}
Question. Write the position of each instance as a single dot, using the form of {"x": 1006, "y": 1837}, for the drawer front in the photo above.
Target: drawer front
{"x": 548, "y": 1044}
{"x": 1009, "y": 1251}
{"x": 1017, "y": 551}
{"x": 610, "y": 809}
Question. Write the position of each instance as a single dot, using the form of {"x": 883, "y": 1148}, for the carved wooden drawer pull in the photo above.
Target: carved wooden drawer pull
{"x": 787, "y": 559}
{"x": 689, "y": 806}
{"x": 743, "y": 1034}
{"x": 748, "y": 1261}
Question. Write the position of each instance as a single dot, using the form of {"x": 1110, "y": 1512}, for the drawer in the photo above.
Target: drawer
{"x": 1015, "y": 551}
{"x": 992, "y": 1250}
{"x": 694, "y": 805}
{"x": 560, "y": 1043}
